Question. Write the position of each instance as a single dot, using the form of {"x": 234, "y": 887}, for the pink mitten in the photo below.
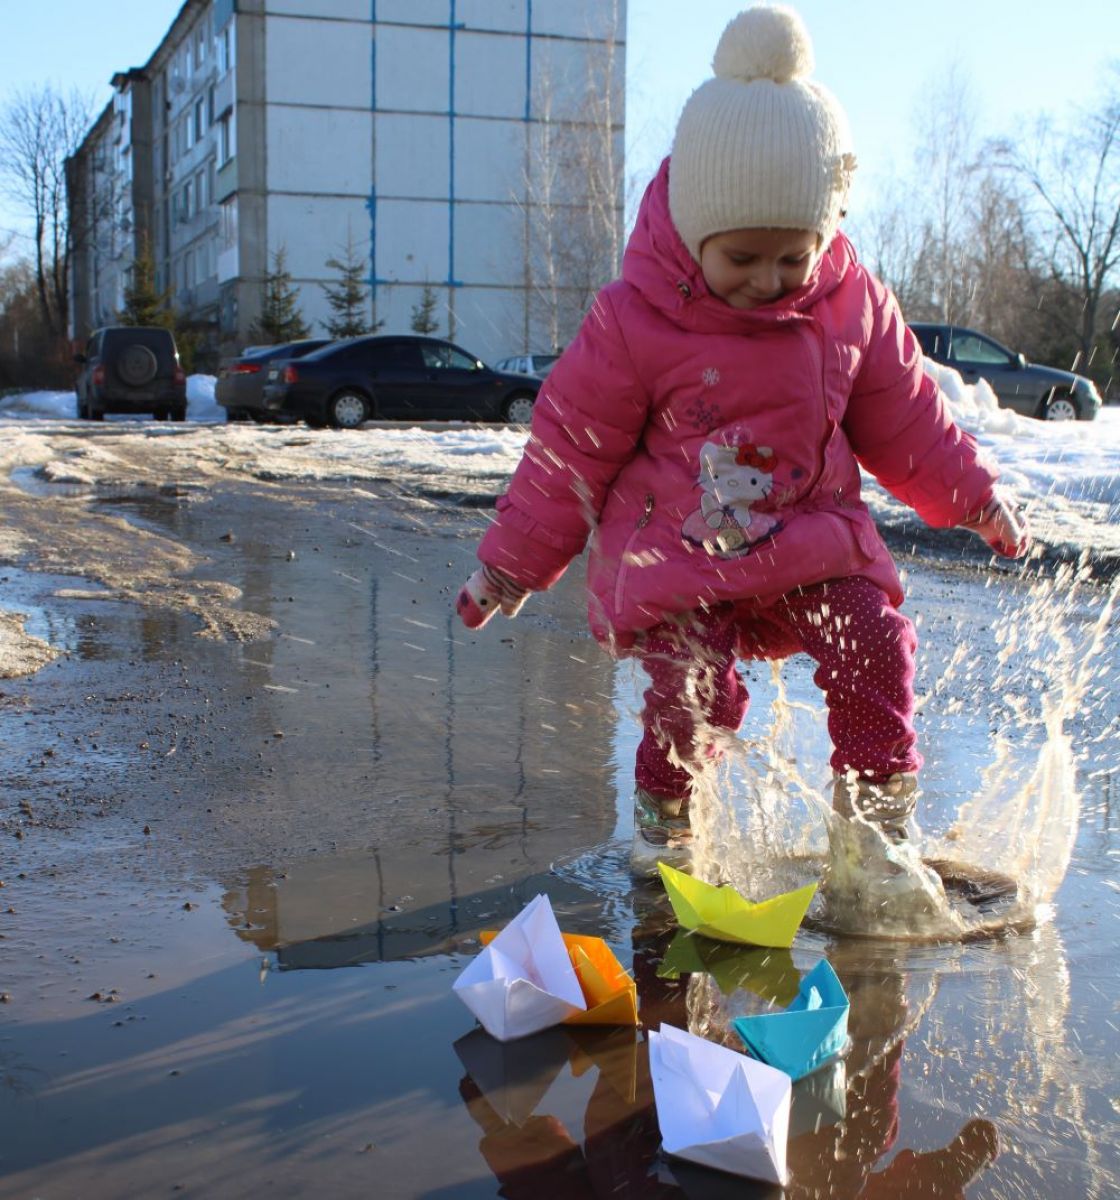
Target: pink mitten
{"x": 485, "y": 593}
{"x": 1002, "y": 528}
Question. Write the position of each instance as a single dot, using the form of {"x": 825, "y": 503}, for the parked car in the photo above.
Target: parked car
{"x": 240, "y": 386}
{"x": 1026, "y": 387}
{"x": 131, "y": 369}
{"x": 528, "y": 364}
{"x": 415, "y": 378}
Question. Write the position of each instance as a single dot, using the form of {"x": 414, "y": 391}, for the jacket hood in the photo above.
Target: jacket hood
{"x": 660, "y": 266}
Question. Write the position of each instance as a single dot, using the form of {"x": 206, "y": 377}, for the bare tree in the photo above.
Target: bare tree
{"x": 1074, "y": 178}
{"x": 39, "y": 130}
{"x": 572, "y": 191}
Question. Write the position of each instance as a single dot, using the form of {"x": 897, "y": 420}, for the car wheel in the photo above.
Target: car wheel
{"x": 179, "y": 413}
{"x": 518, "y": 409}
{"x": 159, "y": 414}
{"x": 83, "y": 412}
{"x": 347, "y": 410}
{"x": 1061, "y": 406}
{"x": 137, "y": 365}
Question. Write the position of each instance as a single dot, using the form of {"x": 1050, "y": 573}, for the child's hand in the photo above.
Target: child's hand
{"x": 485, "y": 593}
{"x": 1004, "y": 529}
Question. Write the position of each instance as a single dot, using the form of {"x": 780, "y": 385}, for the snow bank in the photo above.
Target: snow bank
{"x": 201, "y": 405}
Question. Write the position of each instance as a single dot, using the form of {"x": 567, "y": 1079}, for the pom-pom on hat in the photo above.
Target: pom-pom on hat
{"x": 760, "y": 146}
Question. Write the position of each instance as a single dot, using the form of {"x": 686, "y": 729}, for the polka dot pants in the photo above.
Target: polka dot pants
{"x": 864, "y": 648}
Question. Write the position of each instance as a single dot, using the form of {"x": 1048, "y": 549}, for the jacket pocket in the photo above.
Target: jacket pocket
{"x": 629, "y": 555}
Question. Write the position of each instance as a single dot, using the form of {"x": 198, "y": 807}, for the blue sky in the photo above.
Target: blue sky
{"x": 878, "y": 56}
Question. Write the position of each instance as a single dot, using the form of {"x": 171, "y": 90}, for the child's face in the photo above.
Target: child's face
{"x": 750, "y": 267}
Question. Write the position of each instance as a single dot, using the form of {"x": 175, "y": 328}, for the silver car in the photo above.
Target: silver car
{"x": 537, "y": 365}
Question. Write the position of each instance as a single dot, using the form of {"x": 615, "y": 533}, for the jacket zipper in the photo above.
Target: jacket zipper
{"x": 624, "y": 563}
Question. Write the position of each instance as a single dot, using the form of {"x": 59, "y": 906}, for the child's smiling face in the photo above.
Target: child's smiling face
{"x": 750, "y": 267}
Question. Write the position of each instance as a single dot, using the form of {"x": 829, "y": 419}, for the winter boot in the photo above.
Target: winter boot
{"x": 873, "y": 865}
{"x": 888, "y": 806}
{"x": 662, "y": 833}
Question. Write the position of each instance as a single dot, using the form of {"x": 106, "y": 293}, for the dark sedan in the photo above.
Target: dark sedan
{"x": 395, "y": 377}
{"x": 1035, "y": 391}
{"x": 241, "y": 381}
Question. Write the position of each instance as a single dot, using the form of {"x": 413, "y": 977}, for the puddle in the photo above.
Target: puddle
{"x": 272, "y": 916}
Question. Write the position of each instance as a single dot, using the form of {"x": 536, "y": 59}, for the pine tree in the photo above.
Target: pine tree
{"x": 424, "y": 313}
{"x": 280, "y": 320}
{"x": 348, "y": 297}
{"x": 143, "y": 304}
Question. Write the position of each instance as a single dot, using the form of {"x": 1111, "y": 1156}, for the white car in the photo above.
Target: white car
{"x": 537, "y": 365}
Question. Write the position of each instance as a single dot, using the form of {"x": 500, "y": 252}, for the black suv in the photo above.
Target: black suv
{"x": 406, "y": 377}
{"x": 1034, "y": 391}
{"x": 131, "y": 369}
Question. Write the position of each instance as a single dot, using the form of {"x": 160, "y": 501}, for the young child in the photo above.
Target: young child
{"x": 707, "y": 427}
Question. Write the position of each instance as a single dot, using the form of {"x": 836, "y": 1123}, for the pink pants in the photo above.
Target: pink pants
{"x": 864, "y": 648}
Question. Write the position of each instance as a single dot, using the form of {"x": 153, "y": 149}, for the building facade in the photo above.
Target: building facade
{"x": 468, "y": 148}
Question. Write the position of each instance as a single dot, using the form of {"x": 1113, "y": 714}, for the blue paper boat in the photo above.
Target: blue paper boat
{"x": 812, "y": 1030}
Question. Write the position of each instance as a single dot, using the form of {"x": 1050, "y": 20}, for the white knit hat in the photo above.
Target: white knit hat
{"x": 759, "y": 146}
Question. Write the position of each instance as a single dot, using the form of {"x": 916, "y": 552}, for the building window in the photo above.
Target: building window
{"x": 227, "y": 229}
{"x": 187, "y": 126}
{"x": 227, "y": 137}
{"x": 225, "y": 48}
{"x": 200, "y": 46}
{"x": 201, "y": 199}
{"x": 199, "y": 118}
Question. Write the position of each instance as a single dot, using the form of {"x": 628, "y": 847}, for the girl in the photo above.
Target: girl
{"x": 707, "y": 427}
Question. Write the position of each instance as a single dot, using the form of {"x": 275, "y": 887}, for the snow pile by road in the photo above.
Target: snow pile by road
{"x": 1066, "y": 474}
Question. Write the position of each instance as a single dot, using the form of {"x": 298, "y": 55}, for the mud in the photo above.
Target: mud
{"x": 244, "y": 859}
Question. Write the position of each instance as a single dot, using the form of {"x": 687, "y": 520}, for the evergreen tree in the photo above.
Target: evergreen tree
{"x": 280, "y": 320}
{"x": 143, "y": 304}
{"x": 424, "y": 313}
{"x": 348, "y": 297}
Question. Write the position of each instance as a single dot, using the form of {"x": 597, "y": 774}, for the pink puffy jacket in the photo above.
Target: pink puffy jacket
{"x": 714, "y": 453}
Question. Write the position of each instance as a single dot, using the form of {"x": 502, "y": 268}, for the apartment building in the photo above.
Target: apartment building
{"x": 473, "y": 147}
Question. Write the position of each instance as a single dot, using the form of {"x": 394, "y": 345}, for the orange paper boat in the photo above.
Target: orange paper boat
{"x": 611, "y": 995}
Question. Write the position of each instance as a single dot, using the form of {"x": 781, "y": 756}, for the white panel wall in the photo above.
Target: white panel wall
{"x": 395, "y": 303}
{"x": 313, "y": 229}
{"x": 581, "y": 18}
{"x": 490, "y": 75}
{"x": 354, "y": 10}
{"x": 339, "y": 73}
{"x": 488, "y": 244}
{"x": 489, "y": 160}
{"x": 415, "y": 12}
{"x": 320, "y": 149}
{"x": 412, "y": 240}
{"x": 509, "y": 15}
{"x": 412, "y": 155}
{"x": 488, "y": 322}
{"x": 412, "y": 69}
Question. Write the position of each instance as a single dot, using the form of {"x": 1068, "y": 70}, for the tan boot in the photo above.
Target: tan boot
{"x": 888, "y": 806}
{"x": 662, "y": 833}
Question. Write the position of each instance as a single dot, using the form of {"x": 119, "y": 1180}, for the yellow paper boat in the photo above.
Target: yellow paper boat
{"x": 724, "y": 914}
{"x": 611, "y": 995}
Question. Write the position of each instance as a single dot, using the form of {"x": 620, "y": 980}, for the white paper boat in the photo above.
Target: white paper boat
{"x": 719, "y": 1108}
{"x": 523, "y": 981}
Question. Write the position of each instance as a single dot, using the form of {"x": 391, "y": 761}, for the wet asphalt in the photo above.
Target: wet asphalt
{"x": 239, "y": 880}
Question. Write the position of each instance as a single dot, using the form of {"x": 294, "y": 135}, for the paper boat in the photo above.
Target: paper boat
{"x": 719, "y": 1108}
{"x": 812, "y": 1030}
{"x": 724, "y": 914}
{"x": 513, "y": 1079}
{"x": 764, "y": 970}
{"x": 523, "y": 981}
{"x": 610, "y": 994}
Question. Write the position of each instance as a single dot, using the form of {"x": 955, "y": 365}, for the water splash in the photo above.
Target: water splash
{"x": 1000, "y": 717}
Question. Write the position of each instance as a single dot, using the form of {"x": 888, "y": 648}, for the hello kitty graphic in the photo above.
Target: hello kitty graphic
{"x": 732, "y": 479}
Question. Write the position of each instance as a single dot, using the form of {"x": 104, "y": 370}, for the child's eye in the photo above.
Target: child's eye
{"x": 795, "y": 260}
